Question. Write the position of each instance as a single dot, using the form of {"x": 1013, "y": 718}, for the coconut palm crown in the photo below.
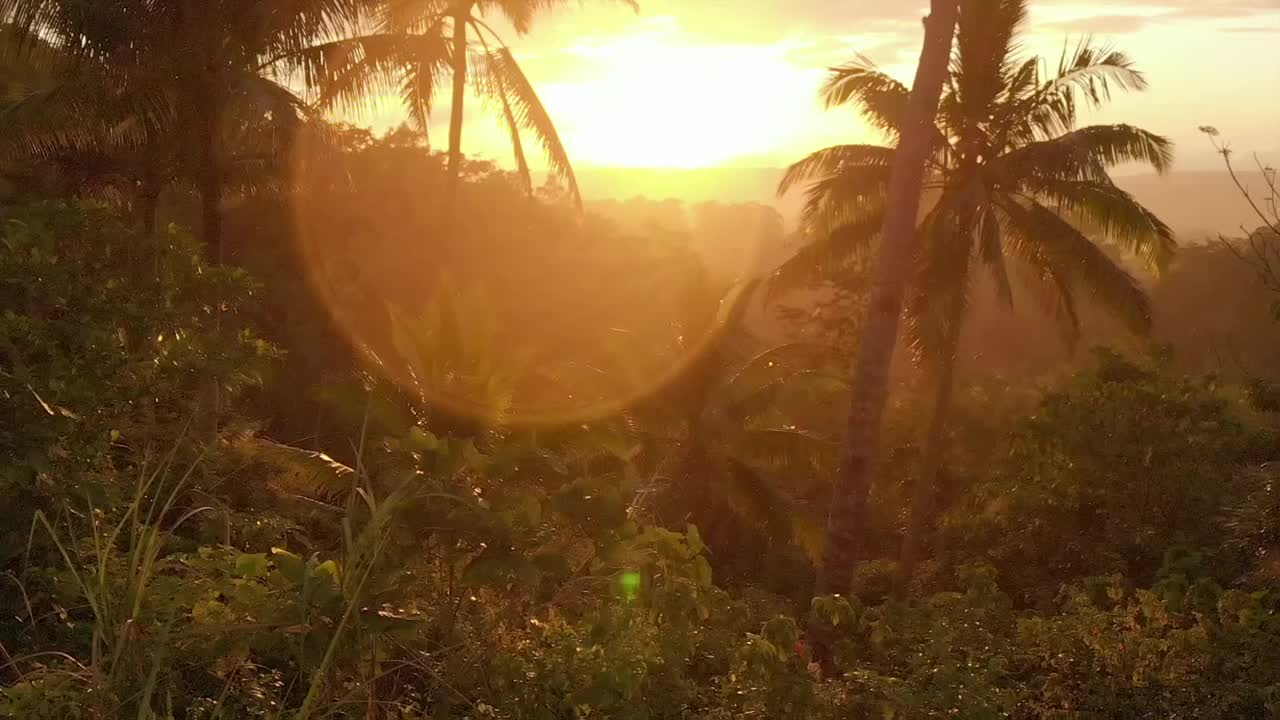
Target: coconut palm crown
{"x": 1014, "y": 184}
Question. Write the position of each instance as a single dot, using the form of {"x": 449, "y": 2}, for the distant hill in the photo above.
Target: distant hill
{"x": 1195, "y": 204}
{"x": 1198, "y": 205}
{"x": 724, "y": 185}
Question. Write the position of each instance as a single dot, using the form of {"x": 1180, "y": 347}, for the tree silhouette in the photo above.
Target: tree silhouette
{"x": 1260, "y": 248}
{"x": 1009, "y": 178}
{"x": 722, "y": 425}
{"x": 415, "y": 45}
{"x": 870, "y": 387}
{"x": 176, "y": 80}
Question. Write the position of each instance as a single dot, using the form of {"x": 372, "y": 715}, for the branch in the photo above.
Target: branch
{"x": 1263, "y": 253}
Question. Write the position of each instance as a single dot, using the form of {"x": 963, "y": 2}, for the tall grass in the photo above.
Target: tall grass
{"x": 115, "y": 579}
{"x": 112, "y": 566}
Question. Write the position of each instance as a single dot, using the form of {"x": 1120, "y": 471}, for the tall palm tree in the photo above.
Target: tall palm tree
{"x": 178, "y": 70}
{"x": 126, "y": 148}
{"x": 1012, "y": 185}
{"x": 415, "y": 44}
{"x": 720, "y": 423}
{"x": 78, "y": 118}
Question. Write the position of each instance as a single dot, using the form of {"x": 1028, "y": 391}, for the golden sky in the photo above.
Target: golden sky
{"x": 705, "y": 83}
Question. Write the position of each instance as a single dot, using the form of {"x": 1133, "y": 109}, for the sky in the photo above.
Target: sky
{"x": 733, "y": 83}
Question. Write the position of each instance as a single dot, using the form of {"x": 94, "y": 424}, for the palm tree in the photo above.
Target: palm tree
{"x": 848, "y": 513}
{"x": 1012, "y": 184}
{"x": 126, "y": 149}
{"x": 410, "y": 53}
{"x": 68, "y": 114}
{"x": 720, "y": 427}
{"x": 177, "y": 73}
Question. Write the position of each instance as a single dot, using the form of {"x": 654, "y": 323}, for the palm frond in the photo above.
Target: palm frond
{"x": 301, "y": 472}
{"x": 29, "y": 18}
{"x": 348, "y": 73}
{"x": 528, "y": 114}
{"x": 746, "y": 404}
{"x": 881, "y": 99}
{"x": 424, "y": 71}
{"x": 982, "y": 65}
{"x": 1085, "y": 154}
{"x": 734, "y": 304}
{"x": 755, "y": 497}
{"x": 1091, "y": 72}
{"x": 775, "y": 362}
{"x": 827, "y": 254}
{"x": 837, "y": 200}
{"x": 785, "y": 450}
{"x": 940, "y": 286}
{"x": 1022, "y": 83}
{"x": 1094, "y": 70}
{"x": 834, "y": 161}
{"x": 1035, "y": 232}
{"x": 493, "y": 91}
{"x": 80, "y": 115}
{"x": 409, "y": 16}
{"x": 521, "y": 13}
{"x": 1052, "y": 293}
{"x": 285, "y": 27}
{"x": 1114, "y": 214}
{"x": 987, "y": 231}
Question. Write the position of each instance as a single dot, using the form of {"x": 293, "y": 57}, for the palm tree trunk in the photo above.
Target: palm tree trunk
{"x": 211, "y": 208}
{"x": 201, "y": 27}
{"x": 148, "y": 204}
{"x": 209, "y": 170}
{"x": 847, "y": 518}
{"x": 920, "y": 509}
{"x": 148, "y": 197}
{"x": 461, "y": 15}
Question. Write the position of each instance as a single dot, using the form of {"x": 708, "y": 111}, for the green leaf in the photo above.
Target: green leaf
{"x": 694, "y": 539}
{"x": 327, "y": 570}
{"x": 252, "y": 565}
{"x": 702, "y": 571}
{"x": 423, "y": 440}
{"x": 292, "y": 567}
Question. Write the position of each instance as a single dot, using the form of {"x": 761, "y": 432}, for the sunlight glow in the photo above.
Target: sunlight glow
{"x": 655, "y": 96}
{"x": 659, "y": 98}
{"x": 674, "y": 105}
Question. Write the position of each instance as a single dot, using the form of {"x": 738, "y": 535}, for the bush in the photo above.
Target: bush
{"x": 110, "y": 341}
{"x": 1124, "y": 462}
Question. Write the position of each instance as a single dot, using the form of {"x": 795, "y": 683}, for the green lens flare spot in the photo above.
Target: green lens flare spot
{"x": 630, "y": 584}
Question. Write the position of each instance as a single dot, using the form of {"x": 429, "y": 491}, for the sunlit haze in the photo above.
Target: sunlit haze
{"x": 370, "y": 360}
{"x": 705, "y": 83}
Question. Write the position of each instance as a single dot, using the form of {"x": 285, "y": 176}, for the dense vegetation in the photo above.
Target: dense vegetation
{"x": 389, "y": 433}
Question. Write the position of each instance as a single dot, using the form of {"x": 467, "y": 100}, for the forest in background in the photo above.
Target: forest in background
{"x": 301, "y": 422}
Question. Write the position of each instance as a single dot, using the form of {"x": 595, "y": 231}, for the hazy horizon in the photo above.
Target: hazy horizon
{"x": 684, "y": 84}
{"x": 1195, "y": 203}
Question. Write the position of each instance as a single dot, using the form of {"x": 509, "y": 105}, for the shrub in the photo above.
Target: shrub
{"x": 110, "y": 341}
{"x": 1124, "y": 461}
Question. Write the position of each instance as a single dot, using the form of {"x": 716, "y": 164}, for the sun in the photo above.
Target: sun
{"x": 653, "y": 101}
{"x": 657, "y": 97}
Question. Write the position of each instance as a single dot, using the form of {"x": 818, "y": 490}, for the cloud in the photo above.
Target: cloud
{"x": 884, "y": 46}
{"x": 1224, "y": 8}
{"x": 1101, "y": 24}
{"x": 1132, "y": 16}
{"x": 767, "y": 21}
{"x": 1182, "y": 8}
{"x": 748, "y": 22}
